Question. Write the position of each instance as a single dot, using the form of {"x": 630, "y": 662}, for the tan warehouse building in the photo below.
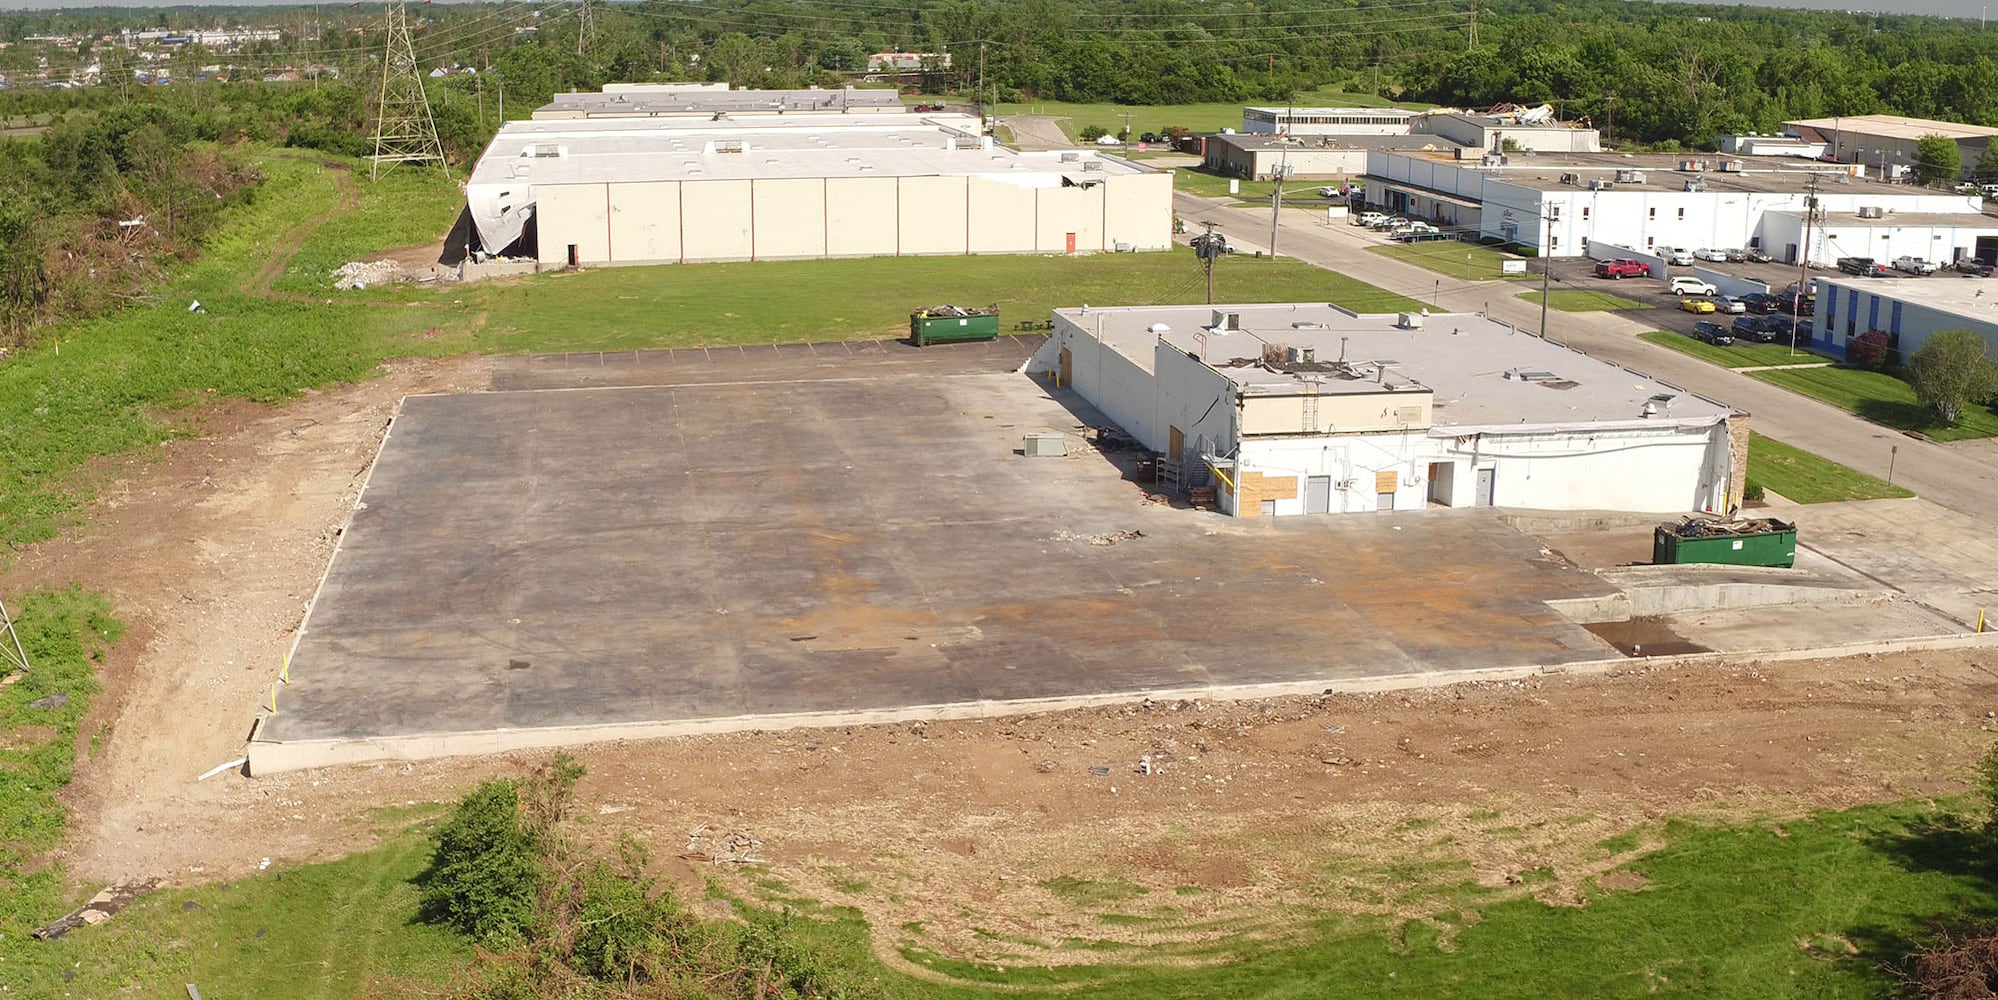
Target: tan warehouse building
{"x": 677, "y": 190}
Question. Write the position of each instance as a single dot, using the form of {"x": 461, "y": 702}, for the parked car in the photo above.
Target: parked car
{"x": 1735, "y": 255}
{"x": 1797, "y": 305}
{"x": 1913, "y": 265}
{"x": 1690, "y": 286}
{"x": 1678, "y": 256}
{"x": 1865, "y": 267}
{"x": 1369, "y": 218}
{"x": 1712, "y": 333}
{"x": 1622, "y": 267}
{"x": 1972, "y": 267}
{"x": 1761, "y": 304}
{"x": 1715, "y": 256}
{"x": 1730, "y": 304}
{"x": 1761, "y": 329}
{"x": 1754, "y": 256}
{"x": 1990, "y": 190}
{"x": 1148, "y": 137}
{"x": 1697, "y": 306}
{"x": 1215, "y": 240}
{"x": 1389, "y": 222}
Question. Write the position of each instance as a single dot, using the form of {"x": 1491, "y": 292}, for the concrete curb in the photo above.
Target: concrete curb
{"x": 274, "y": 756}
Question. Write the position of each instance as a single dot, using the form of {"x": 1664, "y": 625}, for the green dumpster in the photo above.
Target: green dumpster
{"x": 1735, "y": 542}
{"x": 950, "y": 324}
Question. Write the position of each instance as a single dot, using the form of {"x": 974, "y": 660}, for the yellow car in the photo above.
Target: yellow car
{"x": 1693, "y": 305}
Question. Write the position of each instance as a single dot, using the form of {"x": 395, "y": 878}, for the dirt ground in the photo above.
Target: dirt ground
{"x": 1000, "y": 838}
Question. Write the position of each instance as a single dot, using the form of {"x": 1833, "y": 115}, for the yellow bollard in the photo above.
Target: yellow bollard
{"x": 1980, "y": 621}
{"x": 284, "y": 670}
{"x": 273, "y": 703}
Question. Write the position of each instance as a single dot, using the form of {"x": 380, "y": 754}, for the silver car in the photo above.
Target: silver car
{"x": 1730, "y": 304}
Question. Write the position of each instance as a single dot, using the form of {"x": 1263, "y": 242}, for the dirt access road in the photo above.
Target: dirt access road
{"x": 211, "y": 549}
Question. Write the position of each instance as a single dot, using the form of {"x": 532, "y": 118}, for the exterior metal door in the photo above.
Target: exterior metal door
{"x": 1067, "y": 368}
{"x": 1485, "y": 487}
{"x": 1318, "y": 494}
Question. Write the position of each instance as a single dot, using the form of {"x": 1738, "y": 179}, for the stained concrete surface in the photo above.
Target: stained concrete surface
{"x": 868, "y": 537}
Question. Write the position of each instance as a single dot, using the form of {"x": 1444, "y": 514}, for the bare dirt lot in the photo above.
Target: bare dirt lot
{"x": 987, "y": 835}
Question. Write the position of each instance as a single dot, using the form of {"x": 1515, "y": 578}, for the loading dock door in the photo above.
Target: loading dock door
{"x": 1067, "y": 367}
{"x": 1485, "y": 487}
{"x": 1987, "y": 249}
{"x": 1318, "y": 495}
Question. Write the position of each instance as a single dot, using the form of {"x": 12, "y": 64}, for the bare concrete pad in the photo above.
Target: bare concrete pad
{"x": 531, "y": 568}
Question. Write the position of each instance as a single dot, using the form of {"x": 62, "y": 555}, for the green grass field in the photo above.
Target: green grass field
{"x": 1804, "y": 477}
{"x": 1196, "y": 117}
{"x": 1740, "y": 354}
{"x": 1882, "y": 399}
{"x": 1807, "y": 909}
{"x": 1196, "y": 181}
{"x": 1463, "y": 261}
{"x": 1580, "y": 300}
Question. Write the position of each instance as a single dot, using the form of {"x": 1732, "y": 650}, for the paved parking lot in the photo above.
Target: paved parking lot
{"x": 735, "y": 546}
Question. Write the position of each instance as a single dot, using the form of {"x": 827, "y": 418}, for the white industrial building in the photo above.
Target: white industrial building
{"x": 676, "y": 190}
{"x": 1908, "y": 309}
{"x": 1563, "y": 204}
{"x": 710, "y": 100}
{"x": 1754, "y": 144}
{"x": 1885, "y": 144}
{"x": 1308, "y": 408}
{"x": 1326, "y": 121}
{"x": 1262, "y": 157}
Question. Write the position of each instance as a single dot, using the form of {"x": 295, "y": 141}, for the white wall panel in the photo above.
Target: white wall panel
{"x": 790, "y": 218}
{"x": 1002, "y": 217}
{"x": 645, "y": 222}
{"x": 715, "y": 220}
{"x": 571, "y": 214}
{"x": 861, "y": 217}
{"x": 933, "y": 215}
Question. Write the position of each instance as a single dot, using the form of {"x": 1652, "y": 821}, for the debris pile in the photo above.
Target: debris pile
{"x": 1710, "y": 527}
{"x": 366, "y": 273}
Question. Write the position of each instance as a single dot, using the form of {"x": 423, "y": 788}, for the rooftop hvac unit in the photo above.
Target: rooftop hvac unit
{"x": 1730, "y": 166}
{"x": 1409, "y": 321}
{"x": 1691, "y": 166}
{"x": 1303, "y": 355}
{"x": 1070, "y": 157}
{"x": 1096, "y": 165}
{"x": 1630, "y": 176}
{"x": 1570, "y": 179}
{"x": 1872, "y": 212}
{"x": 1696, "y": 185}
{"x": 1225, "y": 322}
{"x": 1045, "y": 445}
{"x": 1599, "y": 185}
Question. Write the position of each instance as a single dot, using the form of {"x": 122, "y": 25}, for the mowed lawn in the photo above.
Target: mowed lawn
{"x": 1804, "y": 477}
{"x": 1740, "y": 354}
{"x": 684, "y": 305}
{"x": 1464, "y": 261}
{"x": 1581, "y": 300}
{"x": 1882, "y": 399}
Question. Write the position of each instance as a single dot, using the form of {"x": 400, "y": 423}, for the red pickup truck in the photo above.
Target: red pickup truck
{"x": 1622, "y": 268}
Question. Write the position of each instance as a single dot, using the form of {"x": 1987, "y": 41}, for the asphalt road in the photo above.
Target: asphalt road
{"x": 1962, "y": 477}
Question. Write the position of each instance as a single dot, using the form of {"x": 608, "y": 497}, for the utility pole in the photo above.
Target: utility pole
{"x": 1609, "y": 128}
{"x": 404, "y": 130}
{"x": 1803, "y": 260}
{"x": 979, "y": 101}
{"x": 1472, "y": 42}
{"x": 586, "y": 27}
{"x": 1546, "y": 270}
{"x": 1276, "y": 201}
{"x": 1207, "y": 252}
{"x": 1127, "y": 116}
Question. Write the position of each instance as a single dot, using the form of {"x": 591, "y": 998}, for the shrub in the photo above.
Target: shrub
{"x": 483, "y": 878}
{"x": 1873, "y": 350}
{"x": 1752, "y": 491}
{"x": 1091, "y": 133}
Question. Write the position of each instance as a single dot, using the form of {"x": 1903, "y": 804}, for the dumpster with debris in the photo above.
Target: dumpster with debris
{"x": 948, "y": 324}
{"x": 1761, "y": 541}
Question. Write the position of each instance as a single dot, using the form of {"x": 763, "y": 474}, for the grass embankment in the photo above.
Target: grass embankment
{"x": 1580, "y": 300}
{"x": 1209, "y": 117}
{"x": 1802, "y": 908}
{"x": 1804, "y": 477}
{"x": 1740, "y": 354}
{"x": 1882, "y": 399}
{"x": 64, "y": 633}
{"x": 1463, "y": 261}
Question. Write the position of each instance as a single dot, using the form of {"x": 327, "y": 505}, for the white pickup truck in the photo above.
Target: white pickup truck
{"x": 1913, "y": 265}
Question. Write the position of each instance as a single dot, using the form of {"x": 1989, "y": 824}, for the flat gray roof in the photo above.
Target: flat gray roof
{"x": 573, "y": 151}
{"x": 1972, "y": 298}
{"x": 696, "y": 102}
{"x": 1263, "y": 141}
{"x": 1895, "y": 220}
{"x": 1542, "y": 171}
{"x": 1294, "y": 112}
{"x": 1485, "y": 375}
{"x": 1892, "y": 127}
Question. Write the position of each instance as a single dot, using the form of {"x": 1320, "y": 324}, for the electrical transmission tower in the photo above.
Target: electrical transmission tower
{"x": 1472, "y": 41}
{"x": 586, "y": 27}
{"x": 404, "y": 130}
{"x": 12, "y": 656}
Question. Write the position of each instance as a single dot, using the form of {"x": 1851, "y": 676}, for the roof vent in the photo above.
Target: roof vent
{"x": 1092, "y": 165}
{"x": 1872, "y": 212}
{"x": 1630, "y": 177}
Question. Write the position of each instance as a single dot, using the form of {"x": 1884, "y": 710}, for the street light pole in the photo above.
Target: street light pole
{"x": 1546, "y": 269}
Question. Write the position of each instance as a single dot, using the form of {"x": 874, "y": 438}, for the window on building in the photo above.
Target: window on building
{"x": 1654, "y": 213}
{"x": 1682, "y": 213}
{"x": 1585, "y": 211}
{"x": 1553, "y": 242}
